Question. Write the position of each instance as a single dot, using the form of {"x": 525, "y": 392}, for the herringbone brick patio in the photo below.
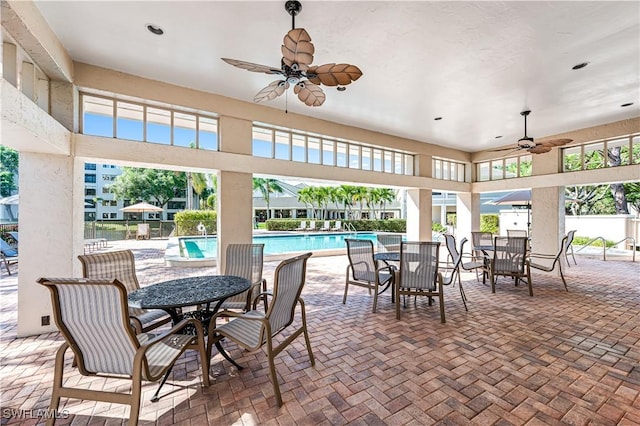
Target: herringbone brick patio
{"x": 557, "y": 358}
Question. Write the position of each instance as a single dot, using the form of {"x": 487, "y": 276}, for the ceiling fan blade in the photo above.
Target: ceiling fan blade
{"x": 505, "y": 149}
{"x": 297, "y": 48}
{"x": 272, "y": 91}
{"x": 309, "y": 93}
{"x": 334, "y": 74}
{"x": 540, "y": 149}
{"x": 555, "y": 142}
{"x": 250, "y": 66}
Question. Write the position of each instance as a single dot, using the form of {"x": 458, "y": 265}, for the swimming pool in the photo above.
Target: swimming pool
{"x": 207, "y": 247}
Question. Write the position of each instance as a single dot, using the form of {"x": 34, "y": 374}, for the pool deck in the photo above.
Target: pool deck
{"x": 553, "y": 359}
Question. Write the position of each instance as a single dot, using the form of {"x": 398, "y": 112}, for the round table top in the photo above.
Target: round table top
{"x": 388, "y": 256}
{"x": 188, "y": 291}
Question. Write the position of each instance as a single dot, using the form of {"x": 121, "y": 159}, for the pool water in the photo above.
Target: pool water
{"x": 207, "y": 247}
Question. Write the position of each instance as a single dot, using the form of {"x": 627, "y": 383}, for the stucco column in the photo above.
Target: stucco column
{"x": 420, "y": 204}
{"x": 467, "y": 214}
{"x": 235, "y": 190}
{"x": 51, "y": 227}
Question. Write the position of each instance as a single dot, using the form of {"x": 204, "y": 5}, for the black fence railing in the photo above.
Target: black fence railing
{"x": 121, "y": 230}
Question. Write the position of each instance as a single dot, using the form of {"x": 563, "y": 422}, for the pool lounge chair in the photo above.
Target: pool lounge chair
{"x": 326, "y": 226}
{"x": 143, "y": 231}
{"x": 9, "y": 254}
{"x": 303, "y": 226}
{"x": 312, "y": 226}
{"x": 337, "y": 226}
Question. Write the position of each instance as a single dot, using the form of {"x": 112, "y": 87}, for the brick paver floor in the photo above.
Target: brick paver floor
{"x": 556, "y": 358}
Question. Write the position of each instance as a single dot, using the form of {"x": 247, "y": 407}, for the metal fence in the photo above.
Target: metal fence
{"x": 121, "y": 230}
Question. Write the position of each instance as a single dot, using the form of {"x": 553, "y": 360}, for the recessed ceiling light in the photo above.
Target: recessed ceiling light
{"x": 438, "y": 118}
{"x": 154, "y": 29}
{"x": 580, "y": 66}
{"x": 627, "y": 104}
{"x": 498, "y": 137}
{"x": 341, "y": 88}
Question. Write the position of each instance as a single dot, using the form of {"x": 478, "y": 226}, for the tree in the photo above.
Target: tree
{"x": 266, "y": 188}
{"x": 617, "y": 189}
{"x": 348, "y": 193}
{"x": 305, "y": 195}
{"x": 8, "y": 169}
{"x": 387, "y": 195}
{"x": 148, "y": 184}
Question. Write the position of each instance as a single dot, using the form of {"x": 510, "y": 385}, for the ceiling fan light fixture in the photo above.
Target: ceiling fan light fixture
{"x": 526, "y": 143}
{"x": 341, "y": 88}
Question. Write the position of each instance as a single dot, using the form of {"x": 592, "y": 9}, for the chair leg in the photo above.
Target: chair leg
{"x": 135, "y": 399}
{"x": 441, "y": 297}
{"x": 306, "y": 333}
{"x": 529, "y": 281}
{"x": 464, "y": 297}
{"x": 397, "y": 292}
{"x": 226, "y": 356}
{"x": 272, "y": 372}
{"x": 57, "y": 382}
{"x": 375, "y": 297}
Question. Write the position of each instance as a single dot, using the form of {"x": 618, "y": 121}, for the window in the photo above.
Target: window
{"x": 328, "y": 152}
{"x": 341, "y": 154}
{"x": 313, "y": 150}
{"x": 159, "y": 126}
{"x": 176, "y": 205}
{"x": 89, "y": 216}
{"x": 89, "y": 191}
{"x": 130, "y": 121}
{"x": 262, "y": 142}
{"x": 483, "y": 172}
{"x": 593, "y": 156}
{"x": 620, "y": 151}
{"x": 365, "y": 157}
{"x": 108, "y": 178}
{"x": 354, "y": 157}
{"x": 282, "y": 148}
{"x": 447, "y": 170}
{"x": 106, "y": 190}
{"x": 184, "y": 129}
{"x": 298, "y": 148}
{"x": 89, "y": 166}
{"x": 97, "y": 116}
{"x": 89, "y": 178}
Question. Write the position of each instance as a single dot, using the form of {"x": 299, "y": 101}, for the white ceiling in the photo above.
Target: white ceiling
{"x": 476, "y": 64}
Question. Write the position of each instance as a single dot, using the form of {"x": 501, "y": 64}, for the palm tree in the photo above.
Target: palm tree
{"x": 305, "y": 195}
{"x": 387, "y": 195}
{"x": 347, "y": 194}
{"x": 199, "y": 183}
{"x": 361, "y": 196}
{"x": 267, "y": 187}
{"x": 373, "y": 199}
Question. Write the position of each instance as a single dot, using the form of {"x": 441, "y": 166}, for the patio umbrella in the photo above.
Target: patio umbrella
{"x": 141, "y": 208}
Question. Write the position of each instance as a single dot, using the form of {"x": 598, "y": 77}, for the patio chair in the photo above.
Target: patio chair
{"x": 548, "y": 262}
{"x": 303, "y": 226}
{"x": 516, "y": 233}
{"x": 254, "y": 329}
{"x": 510, "y": 259}
{"x": 337, "y": 226}
{"x": 143, "y": 232}
{"x": 9, "y": 255}
{"x": 457, "y": 259}
{"x": 388, "y": 242}
{"x": 418, "y": 274}
{"x": 569, "y": 248}
{"x": 326, "y": 226}
{"x": 15, "y": 235}
{"x": 482, "y": 241}
{"x": 93, "y": 318}
{"x": 245, "y": 260}
{"x": 363, "y": 270}
{"x": 312, "y": 226}
{"x": 120, "y": 265}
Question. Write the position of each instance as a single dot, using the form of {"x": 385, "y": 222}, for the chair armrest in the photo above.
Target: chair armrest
{"x": 182, "y": 324}
{"x": 262, "y": 294}
{"x": 391, "y": 268}
{"x": 542, "y": 256}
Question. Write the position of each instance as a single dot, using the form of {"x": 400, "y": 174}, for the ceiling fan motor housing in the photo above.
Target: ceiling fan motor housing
{"x": 526, "y": 143}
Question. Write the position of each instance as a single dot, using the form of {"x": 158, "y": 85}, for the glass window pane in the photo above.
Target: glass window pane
{"x": 313, "y": 150}
{"x": 593, "y": 158}
{"x": 354, "y": 157}
{"x": 636, "y": 150}
{"x": 453, "y": 174}
{"x": 526, "y": 163}
{"x": 208, "y": 133}
{"x": 262, "y": 142}
{"x": 159, "y": 125}
{"x": 130, "y": 124}
{"x": 328, "y": 152}
{"x": 97, "y": 116}
{"x": 618, "y": 152}
{"x": 388, "y": 162}
{"x": 408, "y": 164}
{"x": 445, "y": 170}
{"x": 365, "y": 157}
{"x": 299, "y": 150}
{"x": 571, "y": 159}
{"x": 483, "y": 171}
{"x": 496, "y": 170}
{"x": 511, "y": 167}
{"x": 461, "y": 172}
{"x": 282, "y": 145}
{"x": 397, "y": 158}
{"x": 377, "y": 160}
{"x": 184, "y": 129}
{"x": 341, "y": 154}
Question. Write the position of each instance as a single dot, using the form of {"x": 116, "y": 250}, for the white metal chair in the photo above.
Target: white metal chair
{"x": 303, "y": 226}
{"x": 548, "y": 262}
{"x": 337, "y": 226}
{"x": 8, "y": 254}
{"x": 255, "y": 329}
{"x": 326, "y": 226}
{"x": 569, "y": 247}
{"x": 93, "y": 318}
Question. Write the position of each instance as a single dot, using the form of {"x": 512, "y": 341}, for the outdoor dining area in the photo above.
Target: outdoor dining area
{"x": 288, "y": 351}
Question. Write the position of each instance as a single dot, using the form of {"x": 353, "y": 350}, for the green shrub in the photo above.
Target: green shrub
{"x": 452, "y": 219}
{"x": 581, "y": 241}
{"x": 438, "y": 227}
{"x": 489, "y": 223}
{"x": 187, "y": 222}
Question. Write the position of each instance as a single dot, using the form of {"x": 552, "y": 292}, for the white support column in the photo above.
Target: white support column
{"x": 419, "y": 215}
{"x": 548, "y": 214}
{"x": 50, "y": 232}
{"x": 28, "y": 80}
{"x": 467, "y": 214}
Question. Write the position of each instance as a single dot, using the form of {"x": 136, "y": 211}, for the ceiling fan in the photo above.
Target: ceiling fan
{"x": 527, "y": 143}
{"x": 295, "y": 67}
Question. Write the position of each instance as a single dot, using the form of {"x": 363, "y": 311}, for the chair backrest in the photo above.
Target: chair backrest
{"x": 288, "y": 281}
{"x": 480, "y": 238}
{"x": 6, "y": 249}
{"x": 303, "y": 224}
{"x": 389, "y": 242}
{"x": 360, "y": 254}
{"x": 419, "y": 264}
{"x": 516, "y": 233}
{"x": 509, "y": 255}
{"x": 14, "y": 235}
{"x": 107, "y": 266}
{"x": 245, "y": 260}
{"x": 312, "y": 224}
{"x": 93, "y": 318}
{"x": 456, "y": 256}
{"x": 337, "y": 224}
{"x": 570, "y": 236}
